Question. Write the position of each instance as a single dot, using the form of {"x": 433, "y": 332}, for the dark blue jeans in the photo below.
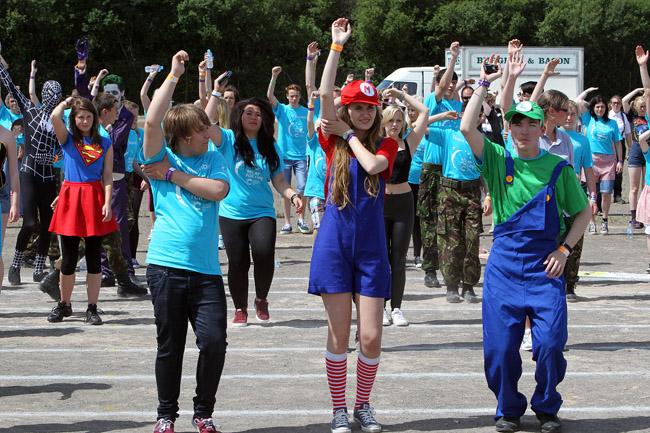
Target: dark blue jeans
{"x": 179, "y": 295}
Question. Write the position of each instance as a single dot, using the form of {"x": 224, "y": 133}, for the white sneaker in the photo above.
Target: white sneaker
{"x": 592, "y": 229}
{"x": 387, "y": 318}
{"x": 418, "y": 262}
{"x": 604, "y": 228}
{"x": 82, "y": 264}
{"x": 527, "y": 342}
{"x": 398, "y": 318}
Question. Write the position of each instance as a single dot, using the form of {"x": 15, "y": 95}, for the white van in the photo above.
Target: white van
{"x": 417, "y": 78}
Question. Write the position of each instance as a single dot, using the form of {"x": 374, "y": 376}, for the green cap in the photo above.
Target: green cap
{"x": 528, "y": 109}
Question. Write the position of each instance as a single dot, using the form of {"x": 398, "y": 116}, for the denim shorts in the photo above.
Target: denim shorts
{"x": 635, "y": 157}
{"x": 298, "y": 166}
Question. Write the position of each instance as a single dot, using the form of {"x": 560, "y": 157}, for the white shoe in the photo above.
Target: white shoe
{"x": 527, "y": 342}
{"x": 418, "y": 262}
{"x": 592, "y": 229}
{"x": 82, "y": 264}
{"x": 398, "y": 318}
{"x": 387, "y": 318}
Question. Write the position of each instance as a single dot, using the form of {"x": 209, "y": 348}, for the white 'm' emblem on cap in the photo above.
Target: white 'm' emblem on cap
{"x": 367, "y": 89}
{"x": 524, "y": 107}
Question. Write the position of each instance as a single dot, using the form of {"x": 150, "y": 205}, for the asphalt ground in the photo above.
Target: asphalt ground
{"x": 70, "y": 377}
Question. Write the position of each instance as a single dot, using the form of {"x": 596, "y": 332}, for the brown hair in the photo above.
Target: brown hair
{"x": 552, "y": 99}
{"x": 130, "y": 105}
{"x": 293, "y": 87}
{"x": 84, "y": 104}
{"x": 340, "y": 185}
{"x": 181, "y": 121}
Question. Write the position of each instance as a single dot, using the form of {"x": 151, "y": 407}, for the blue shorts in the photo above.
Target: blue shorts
{"x": 606, "y": 186}
{"x": 298, "y": 166}
{"x": 635, "y": 157}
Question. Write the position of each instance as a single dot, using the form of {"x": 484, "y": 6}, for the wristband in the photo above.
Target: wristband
{"x": 336, "y": 47}
{"x": 593, "y": 197}
{"x": 369, "y": 81}
{"x": 32, "y": 77}
{"x": 202, "y": 74}
{"x": 310, "y": 108}
{"x": 309, "y": 58}
{"x": 201, "y": 80}
{"x": 347, "y": 135}
{"x": 564, "y": 251}
{"x": 150, "y": 79}
{"x": 168, "y": 175}
{"x": 484, "y": 83}
{"x": 216, "y": 94}
{"x": 173, "y": 78}
{"x": 292, "y": 197}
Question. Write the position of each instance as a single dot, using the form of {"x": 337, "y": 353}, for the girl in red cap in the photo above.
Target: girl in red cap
{"x": 350, "y": 258}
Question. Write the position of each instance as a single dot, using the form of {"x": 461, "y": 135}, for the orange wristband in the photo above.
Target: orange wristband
{"x": 173, "y": 78}
{"x": 336, "y": 47}
{"x": 563, "y": 250}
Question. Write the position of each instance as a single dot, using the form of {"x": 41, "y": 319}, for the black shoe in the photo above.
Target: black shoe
{"x": 38, "y": 276}
{"x": 14, "y": 276}
{"x": 550, "y": 423}
{"x": 50, "y": 285}
{"x": 59, "y": 312}
{"x": 28, "y": 262}
{"x": 92, "y": 316}
{"x": 126, "y": 288}
{"x": 108, "y": 281}
{"x": 453, "y": 297}
{"x": 431, "y": 280}
{"x": 507, "y": 424}
{"x": 138, "y": 281}
{"x": 469, "y": 296}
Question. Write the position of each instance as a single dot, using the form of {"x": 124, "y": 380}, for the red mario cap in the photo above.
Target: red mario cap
{"x": 361, "y": 92}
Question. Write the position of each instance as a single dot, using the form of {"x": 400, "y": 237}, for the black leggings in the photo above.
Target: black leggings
{"x": 417, "y": 236}
{"x": 70, "y": 254}
{"x": 241, "y": 237}
{"x": 37, "y": 197}
{"x": 398, "y": 219}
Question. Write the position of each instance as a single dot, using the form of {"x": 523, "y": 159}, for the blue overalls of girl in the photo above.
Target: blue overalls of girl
{"x": 524, "y": 276}
{"x": 350, "y": 258}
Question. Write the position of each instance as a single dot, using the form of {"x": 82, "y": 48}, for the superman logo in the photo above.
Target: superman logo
{"x": 89, "y": 152}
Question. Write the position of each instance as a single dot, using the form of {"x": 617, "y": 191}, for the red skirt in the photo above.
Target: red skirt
{"x": 79, "y": 211}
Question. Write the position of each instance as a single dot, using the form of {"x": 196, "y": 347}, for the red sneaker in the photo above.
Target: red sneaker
{"x": 164, "y": 426}
{"x": 262, "y": 310}
{"x": 205, "y": 425}
{"x": 241, "y": 318}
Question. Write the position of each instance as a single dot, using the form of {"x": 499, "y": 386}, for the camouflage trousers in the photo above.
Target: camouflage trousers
{"x": 459, "y": 228}
{"x": 112, "y": 244}
{"x": 573, "y": 262}
{"x": 427, "y": 210}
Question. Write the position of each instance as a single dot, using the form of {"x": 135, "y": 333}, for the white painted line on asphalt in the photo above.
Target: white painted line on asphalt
{"x": 74, "y": 378}
{"x": 274, "y": 413}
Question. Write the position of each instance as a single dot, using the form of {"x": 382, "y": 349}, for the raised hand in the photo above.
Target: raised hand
{"x": 455, "y": 49}
{"x": 369, "y": 73}
{"x": 436, "y": 70}
{"x": 81, "y": 47}
{"x": 313, "y": 50}
{"x": 516, "y": 64}
{"x": 349, "y": 79}
{"x": 549, "y": 69}
{"x": 314, "y": 95}
{"x": 276, "y": 71}
{"x": 341, "y": 31}
{"x": 101, "y": 75}
{"x": 202, "y": 66}
{"x": 334, "y": 127}
{"x": 34, "y": 68}
{"x": 641, "y": 55}
{"x": 494, "y": 61}
{"x": 178, "y": 63}
{"x": 514, "y": 46}
{"x": 393, "y": 93}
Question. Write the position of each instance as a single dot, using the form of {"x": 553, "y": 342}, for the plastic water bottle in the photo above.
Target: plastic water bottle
{"x": 150, "y": 69}
{"x": 209, "y": 59}
{"x": 630, "y": 230}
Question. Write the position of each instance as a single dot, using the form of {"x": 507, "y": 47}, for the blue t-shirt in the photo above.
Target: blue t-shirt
{"x": 186, "y": 232}
{"x": 416, "y": 162}
{"x": 602, "y": 135}
{"x": 581, "y": 151}
{"x": 315, "y": 186}
{"x": 646, "y": 155}
{"x": 436, "y": 107}
{"x": 250, "y": 193}
{"x": 458, "y": 161}
{"x": 7, "y": 118}
{"x": 292, "y": 131}
{"x": 432, "y": 153}
{"x": 133, "y": 147}
{"x": 84, "y": 162}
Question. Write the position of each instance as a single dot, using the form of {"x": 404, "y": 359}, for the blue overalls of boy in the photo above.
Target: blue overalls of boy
{"x": 529, "y": 196}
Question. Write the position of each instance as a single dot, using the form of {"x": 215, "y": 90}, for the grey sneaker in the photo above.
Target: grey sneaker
{"x": 592, "y": 229}
{"x": 604, "y": 228}
{"x": 431, "y": 280}
{"x": 507, "y": 424}
{"x": 470, "y": 297}
{"x": 303, "y": 227}
{"x": 549, "y": 423}
{"x": 340, "y": 422}
{"x": 286, "y": 229}
{"x": 365, "y": 416}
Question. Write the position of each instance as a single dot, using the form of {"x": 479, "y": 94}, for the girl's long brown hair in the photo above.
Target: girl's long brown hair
{"x": 83, "y": 104}
{"x": 341, "y": 163}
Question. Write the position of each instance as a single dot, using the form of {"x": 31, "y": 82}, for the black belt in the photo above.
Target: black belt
{"x": 460, "y": 185}
{"x": 430, "y": 166}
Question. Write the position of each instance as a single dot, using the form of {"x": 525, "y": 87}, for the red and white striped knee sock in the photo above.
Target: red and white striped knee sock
{"x": 337, "y": 372}
{"x": 366, "y": 372}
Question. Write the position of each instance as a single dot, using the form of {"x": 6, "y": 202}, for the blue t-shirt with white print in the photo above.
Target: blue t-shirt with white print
{"x": 136, "y": 137}
{"x": 250, "y": 192}
{"x": 292, "y": 131}
{"x": 602, "y": 135}
{"x": 186, "y": 232}
{"x": 458, "y": 161}
{"x": 315, "y": 186}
